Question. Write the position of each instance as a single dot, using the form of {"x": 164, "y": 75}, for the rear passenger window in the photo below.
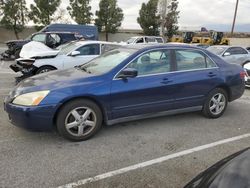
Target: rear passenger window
{"x": 236, "y": 51}
{"x": 210, "y": 63}
{"x": 154, "y": 62}
{"x": 191, "y": 60}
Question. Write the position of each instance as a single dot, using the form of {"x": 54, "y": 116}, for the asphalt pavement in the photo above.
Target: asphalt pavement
{"x": 33, "y": 159}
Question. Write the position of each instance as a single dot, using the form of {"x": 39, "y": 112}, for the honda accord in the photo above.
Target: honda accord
{"x": 125, "y": 84}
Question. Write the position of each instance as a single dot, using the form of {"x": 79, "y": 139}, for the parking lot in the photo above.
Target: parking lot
{"x": 160, "y": 152}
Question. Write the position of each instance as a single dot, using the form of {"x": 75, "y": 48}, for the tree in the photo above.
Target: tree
{"x": 109, "y": 17}
{"x": 43, "y": 10}
{"x": 80, "y": 11}
{"x": 171, "y": 19}
{"x": 14, "y": 15}
{"x": 61, "y": 16}
{"x": 149, "y": 18}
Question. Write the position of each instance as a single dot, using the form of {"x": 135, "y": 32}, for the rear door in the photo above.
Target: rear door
{"x": 87, "y": 53}
{"x": 150, "y": 92}
{"x": 196, "y": 74}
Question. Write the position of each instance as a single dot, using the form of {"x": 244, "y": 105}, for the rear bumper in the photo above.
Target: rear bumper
{"x": 37, "y": 118}
{"x": 237, "y": 91}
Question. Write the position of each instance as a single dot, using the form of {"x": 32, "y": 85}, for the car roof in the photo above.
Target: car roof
{"x": 59, "y": 32}
{"x": 94, "y": 42}
{"x": 146, "y": 36}
{"x": 158, "y": 45}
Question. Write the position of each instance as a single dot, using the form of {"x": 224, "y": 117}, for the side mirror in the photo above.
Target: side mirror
{"x": 227, "y": 54}
{"x": 75, "y": 53}
{"x": 128, "y": 73}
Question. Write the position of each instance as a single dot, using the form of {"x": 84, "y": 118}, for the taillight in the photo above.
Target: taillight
{"x": 243, "y": 74}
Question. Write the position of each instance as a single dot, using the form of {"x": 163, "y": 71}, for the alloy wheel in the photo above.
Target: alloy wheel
{"x": 80, "y": 121}
{"x": 217, "y": 103}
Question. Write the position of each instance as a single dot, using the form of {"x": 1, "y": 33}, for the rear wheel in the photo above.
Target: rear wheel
{"x": 79, "y": 120}
{"x": 45, "y": 69}
{"x": 216, "y": 103}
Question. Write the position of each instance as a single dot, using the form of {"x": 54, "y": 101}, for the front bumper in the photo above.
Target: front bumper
{"x": 35, "y": 118}
{"x": 25, "y": 68}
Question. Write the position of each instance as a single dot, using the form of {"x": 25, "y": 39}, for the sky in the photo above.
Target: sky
{"x": 194, "y": 14}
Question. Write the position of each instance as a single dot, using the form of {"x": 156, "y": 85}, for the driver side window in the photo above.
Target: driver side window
{"x": 91, "y": 49}
{"x": 154, "y": 62}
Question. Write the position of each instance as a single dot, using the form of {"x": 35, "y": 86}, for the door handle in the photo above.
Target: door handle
{"x": 211, "y": 74}
{"x": 166, "y": 81}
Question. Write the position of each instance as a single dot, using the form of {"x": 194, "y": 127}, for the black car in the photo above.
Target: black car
{"x": 233, "y": 171}
{"x": 51, "y": 39}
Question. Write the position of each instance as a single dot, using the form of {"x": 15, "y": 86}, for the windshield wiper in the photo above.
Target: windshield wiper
{"x": 83, "y": 69}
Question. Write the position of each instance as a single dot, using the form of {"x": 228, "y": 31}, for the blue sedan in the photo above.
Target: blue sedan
{"x": 126, "y": 84}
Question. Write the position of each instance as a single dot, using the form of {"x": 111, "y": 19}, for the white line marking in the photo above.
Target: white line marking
{"x": 10, "y": 140}
{"x": 152, "y": 162}
{"x": 7, "y": 72}
{"x": 6, "y": 89}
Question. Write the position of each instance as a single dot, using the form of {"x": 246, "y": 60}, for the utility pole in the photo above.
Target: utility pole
{"x": 235, "y": 14}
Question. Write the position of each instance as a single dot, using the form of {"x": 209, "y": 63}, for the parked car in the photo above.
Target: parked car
{"x": 233, "y": 171}
{"x": 125, "y": 84}
{"x": 234, "y": 54}
{"x": 51, "y": 39}
{"x": 145, "y": 40}
{"x": 70, "y": 55}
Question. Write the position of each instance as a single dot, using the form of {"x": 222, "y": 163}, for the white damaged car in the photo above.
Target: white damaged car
{"x": 37, "y": 58}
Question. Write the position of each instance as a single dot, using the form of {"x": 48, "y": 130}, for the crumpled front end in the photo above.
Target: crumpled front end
{"x": 25, "y": 66}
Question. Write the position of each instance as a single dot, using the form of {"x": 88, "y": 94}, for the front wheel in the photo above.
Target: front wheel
{"x": 79, "y": 120}
{"x": 45, "y": 69}
{"x": 215, "y": 104}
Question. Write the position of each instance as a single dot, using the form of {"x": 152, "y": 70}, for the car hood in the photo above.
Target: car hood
{"x": 16, "y": 41}
{"x": 233, "y": 171}
{"x": 35, "y": 49}
{"x": 52, "y": 80}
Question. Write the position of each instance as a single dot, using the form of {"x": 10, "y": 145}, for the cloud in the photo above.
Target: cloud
{"x": 193, "y": 13}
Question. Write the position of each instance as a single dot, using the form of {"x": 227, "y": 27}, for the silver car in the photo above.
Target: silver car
{"x": 234, "y": 54}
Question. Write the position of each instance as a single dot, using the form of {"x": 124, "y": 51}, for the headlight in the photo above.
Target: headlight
{"x": 30, "y": 99}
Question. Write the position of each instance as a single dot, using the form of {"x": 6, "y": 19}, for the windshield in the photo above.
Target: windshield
{"x": 107, "y": 61}
{"x": 131, "y": 40}
{"x": 65, "y": 49}
{"x": 216, "y": 49}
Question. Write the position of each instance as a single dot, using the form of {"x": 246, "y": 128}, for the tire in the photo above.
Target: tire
{"x": 213, "y": 108}
{"x": 17, "y": 54}
{"x": 45, "y": 69}
{"x": 71, "y": 123}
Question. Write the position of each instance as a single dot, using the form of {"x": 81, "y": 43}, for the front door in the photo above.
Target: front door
{"x": 152, "y": 91}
